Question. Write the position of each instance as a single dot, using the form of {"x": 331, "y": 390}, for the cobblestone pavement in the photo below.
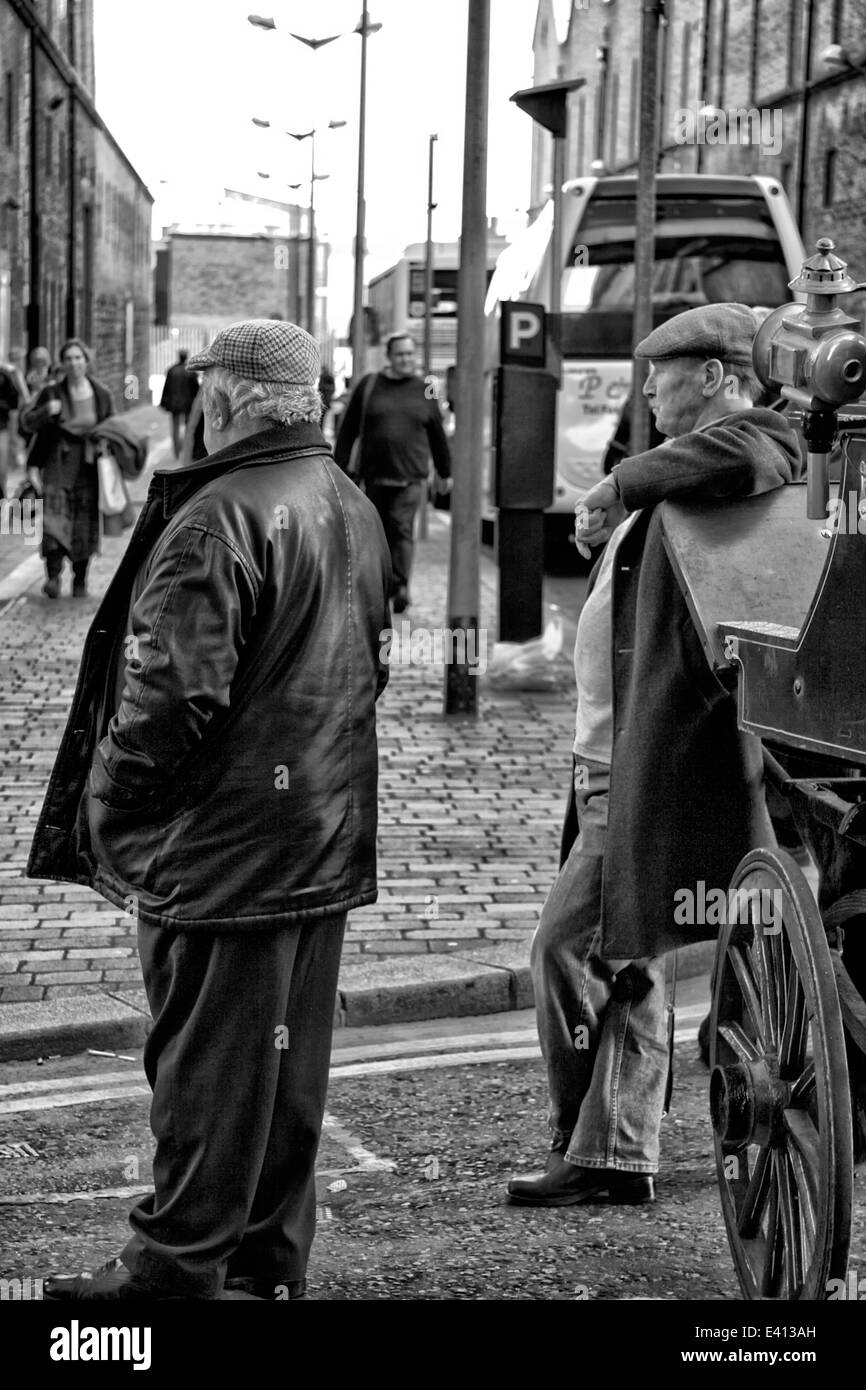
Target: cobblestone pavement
{"x": 470, "y": 810}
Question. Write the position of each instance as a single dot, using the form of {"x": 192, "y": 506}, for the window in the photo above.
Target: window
{"x": 686, "y": 68}
{"x": 836, "y": 29}
{"x": 49, "y": 147}
{"x": 10, "y": 109}
{"x": 707, "y": 251}
{"x": 829, "y": 177}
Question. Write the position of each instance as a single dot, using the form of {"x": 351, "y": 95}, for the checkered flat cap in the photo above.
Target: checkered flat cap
{"x": 724, "y": 331}
{"x": 263, "y": 350}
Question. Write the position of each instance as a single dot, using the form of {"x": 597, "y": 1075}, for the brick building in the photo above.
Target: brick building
{"x": 74, "y": 215}
{"x": 767, "y": 56}
{"x": 250, "y": 262}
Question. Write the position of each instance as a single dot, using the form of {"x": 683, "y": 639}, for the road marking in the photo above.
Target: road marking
{"x": 61, "y": 1083}
{"x": 86, "y": 1097}
{"x": 29, "y": 1199}
{"x": 365, "y": 1159}
{"x": 22, "y": 578}
{"x": 427, "y": 1054}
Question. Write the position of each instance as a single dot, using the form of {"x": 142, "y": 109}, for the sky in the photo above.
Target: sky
{"x": 179, "y": 81}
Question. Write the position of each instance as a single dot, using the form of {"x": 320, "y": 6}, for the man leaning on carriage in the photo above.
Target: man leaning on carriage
{"x": 667, "y": 793}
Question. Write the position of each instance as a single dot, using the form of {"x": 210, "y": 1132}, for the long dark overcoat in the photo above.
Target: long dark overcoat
{"x": 686, "y": 797}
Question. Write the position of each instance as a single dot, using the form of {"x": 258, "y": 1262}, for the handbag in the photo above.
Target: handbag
{"x": 114, "y": 504}
{"x": 354, "y": 468}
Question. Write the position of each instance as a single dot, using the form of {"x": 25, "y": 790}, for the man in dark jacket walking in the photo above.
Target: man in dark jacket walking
{"x": 217, "y": 779}
{"x": 667, "y": 793}
{"x": 396, "y": 415}
{"x": 178, "y": 394}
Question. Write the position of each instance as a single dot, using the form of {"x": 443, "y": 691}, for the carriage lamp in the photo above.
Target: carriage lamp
{"x": 815, "y": 356}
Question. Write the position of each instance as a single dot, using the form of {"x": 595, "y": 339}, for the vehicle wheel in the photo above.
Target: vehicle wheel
{"x": 779, "y": 1093}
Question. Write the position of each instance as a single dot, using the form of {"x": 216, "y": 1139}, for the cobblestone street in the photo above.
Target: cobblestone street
{"x": 470, "y": 810}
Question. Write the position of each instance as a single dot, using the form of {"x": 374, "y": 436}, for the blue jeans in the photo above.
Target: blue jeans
{"x": 602, "y": 1024}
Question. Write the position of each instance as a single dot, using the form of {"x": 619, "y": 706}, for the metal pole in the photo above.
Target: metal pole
{"x": 358, "y": 334}
{"x": 34, "y": 327}
{"x": 645, "y": 216}
{"x": 72, "y": 216}
{"x": 428, "y": 277}
{"x": 554, "y": 326}
{"x": 461, "y": 685}
{"x": 311, "y": 244}
{"x": 428, "y": 314}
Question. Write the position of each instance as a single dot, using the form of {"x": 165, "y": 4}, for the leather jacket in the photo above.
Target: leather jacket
{"x": 219, "y": 767}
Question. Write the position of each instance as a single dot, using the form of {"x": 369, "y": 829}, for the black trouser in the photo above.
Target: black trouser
{"x": 397, "y": 507}
{"x": 54, "y": 557}
{"x": 238, "y": 1064}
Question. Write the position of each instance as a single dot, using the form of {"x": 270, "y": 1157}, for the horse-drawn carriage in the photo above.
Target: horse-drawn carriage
{"x": 777, "y": 589}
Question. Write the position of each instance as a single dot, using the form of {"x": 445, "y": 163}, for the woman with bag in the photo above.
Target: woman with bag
{"x": 62, "y": 466}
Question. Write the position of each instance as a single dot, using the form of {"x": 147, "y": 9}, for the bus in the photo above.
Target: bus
{"x": 717, "y": 238}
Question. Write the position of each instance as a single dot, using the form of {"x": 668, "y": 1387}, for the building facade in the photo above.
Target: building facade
{"x": 75, "y": 246}
{"x": 771, "y": 87}
{"x": 250, "y": 263}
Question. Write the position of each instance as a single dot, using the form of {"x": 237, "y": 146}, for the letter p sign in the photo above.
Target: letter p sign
{"x": 523, "y": 334}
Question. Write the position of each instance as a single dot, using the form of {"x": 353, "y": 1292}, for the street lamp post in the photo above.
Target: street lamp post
{"x": 364, "y": 28}
{"x": 311, "y": 237}
{"x": 358, "y": 327}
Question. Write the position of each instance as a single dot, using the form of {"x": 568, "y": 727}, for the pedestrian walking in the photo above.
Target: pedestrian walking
{"x": 218, "y": 778}
{"x": 62, "y": 465}
{"x": 394, "y": 418}
{"x": 38, "y": 369}
{"x": 667, "y": 792}
{"x": 16, "y": 369}
{"x": 178, "y": 394}
{"x": 10, "y": 400}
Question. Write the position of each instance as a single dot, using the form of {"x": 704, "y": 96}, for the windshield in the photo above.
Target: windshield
{"x": 706, "y": 251}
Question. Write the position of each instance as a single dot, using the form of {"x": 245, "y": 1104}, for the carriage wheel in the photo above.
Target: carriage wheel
{"x": 779, "y": 1093}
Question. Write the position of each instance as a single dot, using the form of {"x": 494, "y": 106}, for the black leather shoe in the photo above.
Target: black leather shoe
{"x": 51, "y": 588}
{"x": 271, "y": 1290}
{"x": 112, "y": 1281}
{"x": 564, "y": 1184}
{"x": 400, "y": 601}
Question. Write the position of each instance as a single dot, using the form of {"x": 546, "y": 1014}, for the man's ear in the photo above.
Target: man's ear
{"x": 712, "y": 377}
{"x": 217, "y": 409}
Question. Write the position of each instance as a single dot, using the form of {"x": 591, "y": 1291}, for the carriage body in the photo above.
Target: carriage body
{"x": 776, "y": 598}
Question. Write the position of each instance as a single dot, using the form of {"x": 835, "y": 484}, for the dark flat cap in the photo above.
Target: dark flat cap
{"x": 725, "y": 331}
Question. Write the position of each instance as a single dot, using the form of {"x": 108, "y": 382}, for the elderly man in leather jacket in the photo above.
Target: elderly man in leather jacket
{"x": 217, "y": 779}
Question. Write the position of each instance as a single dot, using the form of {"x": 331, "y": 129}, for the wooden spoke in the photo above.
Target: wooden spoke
{"x": 807, "y": 1189}
{"x": 741, "y": 1046}
{"x": 780, "y": 1091}
{"x": 771, "y": 1275}
{"x": 742, "y": 972}
{"x": 789, "y": 1208}
{"x": 768, "y": 988}
{"x": 755, "y": 1198}
{"x": 804, "y": 1087}
{"x": 792, "y": 1043}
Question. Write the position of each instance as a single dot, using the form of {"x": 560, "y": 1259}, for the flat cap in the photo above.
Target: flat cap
{"x": 725, "y": 331}
{"x": 263, "y": 350}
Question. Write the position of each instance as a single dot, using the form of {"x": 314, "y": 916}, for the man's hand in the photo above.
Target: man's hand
{"x": 597, "y": 515}
{"x": 442, "y": 485}
{"x": 53, "y": 407}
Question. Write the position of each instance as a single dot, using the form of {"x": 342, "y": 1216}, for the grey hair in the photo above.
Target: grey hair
{"x": 746, "y": 379}
{"x": 264, "y": 400}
